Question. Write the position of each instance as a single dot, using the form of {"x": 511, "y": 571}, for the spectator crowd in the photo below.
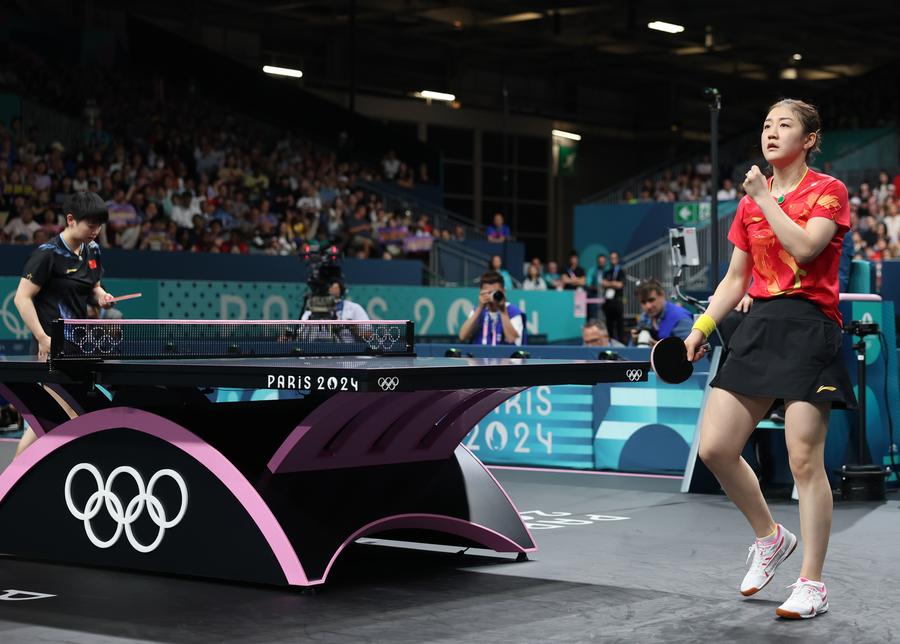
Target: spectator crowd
{"x": 875, "y": 219}
{"x": 181, "y": 173}
{"x": 690, "y": 183}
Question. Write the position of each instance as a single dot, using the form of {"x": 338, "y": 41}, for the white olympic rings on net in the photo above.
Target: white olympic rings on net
{"x": 125, "y": 516}
{"x": 384, "y": 338}
{"x": 90, "y": 339}
{"x": 388, "y": 384}
{"x": 634, "y": 374}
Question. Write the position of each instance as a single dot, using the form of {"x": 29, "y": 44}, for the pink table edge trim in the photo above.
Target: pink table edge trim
{"x": 594, "y": 472}
{"x": 287, "y": 447}
{"x": 234, "y": 322}
{"x": 400, "y": 521}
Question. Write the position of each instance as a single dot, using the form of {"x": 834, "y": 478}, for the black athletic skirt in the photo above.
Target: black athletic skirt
{"x": 787, "y": 348}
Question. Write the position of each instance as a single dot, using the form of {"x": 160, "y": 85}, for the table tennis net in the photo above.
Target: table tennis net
{"x": 158, "y": 339}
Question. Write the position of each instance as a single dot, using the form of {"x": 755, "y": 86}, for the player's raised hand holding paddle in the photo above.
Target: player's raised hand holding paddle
{"x": 672, "y": 358}
{"x": 105, "y": 300}
{"x": 130, "y": 296}
{"x": 695, "y": 345}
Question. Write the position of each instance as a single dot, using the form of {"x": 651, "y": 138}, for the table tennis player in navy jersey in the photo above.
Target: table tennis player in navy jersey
{"x": 62, "y": 277}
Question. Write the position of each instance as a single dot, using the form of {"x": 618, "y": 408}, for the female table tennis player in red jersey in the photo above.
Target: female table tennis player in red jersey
{"x": 787, "y": 235}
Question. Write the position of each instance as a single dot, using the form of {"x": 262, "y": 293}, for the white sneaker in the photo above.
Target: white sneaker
{"x": 765, "y": 558}
{"x": 808, "y": 600}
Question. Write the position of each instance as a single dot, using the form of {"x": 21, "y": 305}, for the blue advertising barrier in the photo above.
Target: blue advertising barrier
{"x": 647, "y": 426}
{"x": 642, "y": 427}
{"x": 542, "y": 426}
{"x": 436, "y": 311}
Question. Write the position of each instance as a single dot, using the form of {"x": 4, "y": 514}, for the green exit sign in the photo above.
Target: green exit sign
{"x": 691, "y": 213}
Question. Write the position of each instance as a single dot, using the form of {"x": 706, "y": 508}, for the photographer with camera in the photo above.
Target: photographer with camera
{"x": 661, "y": 318}
{"x": 494, "y": 321}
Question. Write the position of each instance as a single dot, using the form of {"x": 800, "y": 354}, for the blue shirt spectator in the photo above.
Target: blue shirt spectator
{"x": 498, "y": 232}
{"x": 660, "y": 318}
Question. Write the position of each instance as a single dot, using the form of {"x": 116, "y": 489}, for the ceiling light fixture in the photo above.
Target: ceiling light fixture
{"x": 797, "y": 57}
{"x": 668, "y": 27}
{"x": 428, "y": 95}
{"x": 566, "y": 135}
{"x": 525, "y": 16}
{"x": 282, "y": 71}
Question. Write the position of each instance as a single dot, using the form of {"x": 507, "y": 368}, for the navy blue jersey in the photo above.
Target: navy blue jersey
{"x": 66, "y": 279}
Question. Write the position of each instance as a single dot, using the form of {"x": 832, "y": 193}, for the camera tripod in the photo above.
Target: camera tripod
{"x": 862, "y": 481}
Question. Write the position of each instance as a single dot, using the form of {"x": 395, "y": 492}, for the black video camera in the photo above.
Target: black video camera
{"x": 861, "y": 329}
{"x": 324, "y": 270}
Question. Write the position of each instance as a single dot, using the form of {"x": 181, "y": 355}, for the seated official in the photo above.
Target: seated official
{"x": 595, "y": 334}
{"x": 494, "y": 320}
{"x": 661, "y": 318}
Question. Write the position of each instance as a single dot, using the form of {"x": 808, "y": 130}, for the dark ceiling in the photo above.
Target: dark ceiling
{"x": 589, "y": 62}
{"x": 566, "y": 59}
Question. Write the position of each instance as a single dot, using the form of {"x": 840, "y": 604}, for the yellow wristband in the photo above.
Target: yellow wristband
{"x": 705, "y": 324}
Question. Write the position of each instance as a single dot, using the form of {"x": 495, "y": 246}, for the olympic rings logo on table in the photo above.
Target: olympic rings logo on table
{"x": 388, "y": 384}
{"x": 634, "y": 374}
{"x": 125, "y": 515}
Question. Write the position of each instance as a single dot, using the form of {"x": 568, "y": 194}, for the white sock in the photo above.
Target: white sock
{"x": 769, "y": 539}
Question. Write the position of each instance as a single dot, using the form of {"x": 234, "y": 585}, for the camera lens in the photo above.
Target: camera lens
{"x": 498, "y": 296}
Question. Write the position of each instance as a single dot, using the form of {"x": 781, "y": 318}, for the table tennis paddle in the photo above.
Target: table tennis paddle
{"x": 130, "y": 296}
{"x": 668, "y": 358}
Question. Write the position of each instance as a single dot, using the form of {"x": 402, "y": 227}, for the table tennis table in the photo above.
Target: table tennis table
{"x": 257, "y": 451}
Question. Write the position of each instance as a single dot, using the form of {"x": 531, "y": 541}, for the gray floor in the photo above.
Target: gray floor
{"x": 7, "y": 451}
{"x": 633, "y": 561}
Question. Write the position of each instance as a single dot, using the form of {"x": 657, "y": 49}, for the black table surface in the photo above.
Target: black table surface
{"x": 413, "y": 374}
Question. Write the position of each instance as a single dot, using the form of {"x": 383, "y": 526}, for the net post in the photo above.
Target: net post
{"x": 410, "y": 336}
{"x": 57, "y": 339}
